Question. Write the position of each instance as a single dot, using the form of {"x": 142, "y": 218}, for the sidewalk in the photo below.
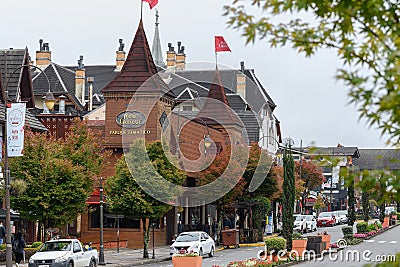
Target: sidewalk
{"x": 126, "y": 257}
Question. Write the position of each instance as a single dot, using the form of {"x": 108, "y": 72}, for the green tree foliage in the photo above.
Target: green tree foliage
{"x": 312, "y": 177}
{"x": 365, "y": 35}
{"x": 288, "y": 198}
{"x": 365, "y": 205}
{"x": 259, "y": 167}
{"x": 259, "y": 213}
{"x": 59, "y": 175}
{"x": 125, "y": 196}
{"x": 351, "y": 203}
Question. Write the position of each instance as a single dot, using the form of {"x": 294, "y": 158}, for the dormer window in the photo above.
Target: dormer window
{"x": 187, "y": 108}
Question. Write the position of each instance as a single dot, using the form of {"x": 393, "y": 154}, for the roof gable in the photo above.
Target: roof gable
{"x": 216, "y": 110}
{"x": 17, "y": 76}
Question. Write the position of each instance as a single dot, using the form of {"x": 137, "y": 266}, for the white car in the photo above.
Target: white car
{"x": 64, "y": 253}
{"x": 343, "y": 216}
{"x": 311, "y": 223}
{"x": 300, "y": 223}
{"x": 197, "y": 242}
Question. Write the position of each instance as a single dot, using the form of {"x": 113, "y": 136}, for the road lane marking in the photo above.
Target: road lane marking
{"x": 393, "y": 242}
{"x": 382, "y": 242}
{"x": 369, "y": 241}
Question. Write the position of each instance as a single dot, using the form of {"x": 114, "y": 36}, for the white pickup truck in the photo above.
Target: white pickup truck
{"x": 64, "y": 253}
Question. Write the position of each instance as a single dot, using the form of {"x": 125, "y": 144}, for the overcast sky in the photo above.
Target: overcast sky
{"x": 311, "y": 105}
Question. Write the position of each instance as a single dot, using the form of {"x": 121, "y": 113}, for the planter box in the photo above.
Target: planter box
{"x": 314, "y": 239}
{"x": 316, "y": 247}
{"x": 299, "y": 245}
{"x": 386, "y": 221}
{"x": 187, "y": 261}
{"x": 327, "y": 240}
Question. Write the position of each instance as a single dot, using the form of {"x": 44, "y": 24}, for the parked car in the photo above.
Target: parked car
{"x": 343, "y": 218}
{"x": 311, "y": 223}
{"x": 300, "y": 223}
{"x": 326, "y": 219}
{"x": 64, "y": 253}
{"x": 196, "y": 241}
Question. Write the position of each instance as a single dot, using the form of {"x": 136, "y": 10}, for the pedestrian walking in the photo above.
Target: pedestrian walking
{"x": 2, "y": 233}
{"x": 18, "y": 245}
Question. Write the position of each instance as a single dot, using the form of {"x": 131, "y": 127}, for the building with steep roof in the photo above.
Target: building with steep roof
{"x": 15, "y": 77}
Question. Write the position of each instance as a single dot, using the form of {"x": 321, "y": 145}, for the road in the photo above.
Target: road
{"x": 221, "y": 258}
{"x": 383, "y": 246}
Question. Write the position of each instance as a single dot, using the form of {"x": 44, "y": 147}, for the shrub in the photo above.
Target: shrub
{"x": 2, "y": 246}
{"x": 371, "y": 227}
{"x": 378, "y": 225}
{"x": 275, "y": 243}
{"x": 347, "y": 232}
{"x": 297, "y": 235}
{"x": 36, "y": 244}
{"x": 362, "y": 227}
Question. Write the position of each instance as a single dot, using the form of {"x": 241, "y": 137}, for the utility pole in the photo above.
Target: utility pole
{"x": 8, "y": 186}
{"x": 101, "y": 253}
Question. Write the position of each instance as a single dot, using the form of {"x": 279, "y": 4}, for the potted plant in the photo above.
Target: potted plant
{"x": 184, "y": 259}
{"x": 299, "y": 244}
{"x": 274, "y": 245}
{"x": 327, "y": 239}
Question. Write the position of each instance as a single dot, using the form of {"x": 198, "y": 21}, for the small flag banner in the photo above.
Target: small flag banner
{"x": 221, "y": 45}
{"x": 152, "y": 3}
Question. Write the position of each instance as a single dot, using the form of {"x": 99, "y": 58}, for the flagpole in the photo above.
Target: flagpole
{"x": 216, "y": 60}
{"x": 141, "y": 9}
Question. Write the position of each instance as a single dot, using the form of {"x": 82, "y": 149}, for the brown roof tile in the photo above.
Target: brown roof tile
{"x": 138, "y": 68}
{"x": 216, "y": 109}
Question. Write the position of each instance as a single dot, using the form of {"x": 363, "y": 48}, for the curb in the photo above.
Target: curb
{"x": 243, "y": 245}
{"x": 141, "y": 263}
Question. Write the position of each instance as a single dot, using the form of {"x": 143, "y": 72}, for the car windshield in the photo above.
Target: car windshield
{"x": 325, "y": 214}
{"x": 297, "y": 218}
{"x": 342, "y": 213}
{"x": 309, "y": 218}
{"x": 56, "y": 246}
{"x": 188, "y": 237}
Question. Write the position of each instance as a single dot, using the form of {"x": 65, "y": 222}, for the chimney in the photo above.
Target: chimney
{"x": 61, "y": 104}
{"x": 180, "y": 58}
{"x": 80, "y": 81}
{"x": 43, "y": 55}
{"x": 120, "y": 56}
{"x": 241, "y": 81}
{"x": 90, "y": 81}
{"x": 171, "y": 58}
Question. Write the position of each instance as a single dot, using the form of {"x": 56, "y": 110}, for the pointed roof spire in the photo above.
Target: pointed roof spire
{"x": 156, "y": 50}
{"x": 138, "y": 68}
{"x": 216, "y": 109}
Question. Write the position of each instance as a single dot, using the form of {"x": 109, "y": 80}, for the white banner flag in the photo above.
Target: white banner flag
{"x": 15, "y": 129}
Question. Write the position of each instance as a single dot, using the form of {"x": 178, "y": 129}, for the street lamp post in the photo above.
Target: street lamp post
{"x": 154, "y": 253}
{"x": 101, "y": 253}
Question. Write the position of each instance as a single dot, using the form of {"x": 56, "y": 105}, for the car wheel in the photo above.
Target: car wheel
{"x": 70, "y": 264}
{"x": 92, "y": 263}
{"x": 211, "y": 254}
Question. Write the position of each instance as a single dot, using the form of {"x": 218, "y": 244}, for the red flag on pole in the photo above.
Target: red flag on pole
{"x": 221, "y": 45}
{"x": 152, "y": 3}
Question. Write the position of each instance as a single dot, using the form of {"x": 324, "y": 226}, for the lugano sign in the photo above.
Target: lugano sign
{"x": 131, "y": 119}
